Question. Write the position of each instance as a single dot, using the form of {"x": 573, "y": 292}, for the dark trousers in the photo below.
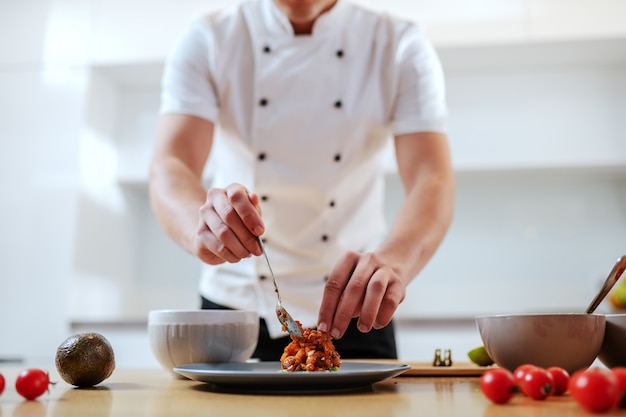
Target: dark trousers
{"x": 376, "y": 344}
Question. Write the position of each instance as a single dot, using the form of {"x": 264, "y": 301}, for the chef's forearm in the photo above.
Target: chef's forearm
{"x": 183, "y": 144}
{"x": 176, "y": 195}
{"x": 420, "y": 226}
{"x": 425, "y": 167}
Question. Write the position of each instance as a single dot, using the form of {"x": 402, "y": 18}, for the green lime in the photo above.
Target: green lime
{"x": 480, "y": 356}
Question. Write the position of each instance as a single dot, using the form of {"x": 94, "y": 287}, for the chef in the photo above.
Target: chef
{"x": 288, "y": 107}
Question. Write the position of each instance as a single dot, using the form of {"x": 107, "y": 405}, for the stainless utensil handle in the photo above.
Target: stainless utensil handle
{"x": 610, "y": 281}
{"x": 270, "y": 268}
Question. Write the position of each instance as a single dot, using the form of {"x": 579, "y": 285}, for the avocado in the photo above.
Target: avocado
{"x": 85, "y": 359}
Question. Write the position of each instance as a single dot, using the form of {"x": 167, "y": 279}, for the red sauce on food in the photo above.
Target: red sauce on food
{"x": 315, "y": 353}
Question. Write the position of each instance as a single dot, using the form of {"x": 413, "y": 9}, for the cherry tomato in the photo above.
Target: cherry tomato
{"x": 520, "y": 373}
{"x": 498, "y": 385}
{"x": 538, "y": 384}
{"x": 1, "y": 384}
{"x": 594, "y": 389}
{"x": 32, "y": 383}
{"x": 620, "y": 374}
{"x": 561, "y": 378}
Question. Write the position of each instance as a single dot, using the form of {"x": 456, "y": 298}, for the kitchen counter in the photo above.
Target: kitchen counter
{"x": 154, "y": 393}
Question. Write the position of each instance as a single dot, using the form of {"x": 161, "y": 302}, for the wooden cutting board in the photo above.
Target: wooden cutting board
{"x": 456, "y": 369}
{"x": 427, "y": 368}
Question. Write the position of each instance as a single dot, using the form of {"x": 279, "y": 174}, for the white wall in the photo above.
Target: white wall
{"x": 539, "y": 149}
{"x": 40, "y": 106}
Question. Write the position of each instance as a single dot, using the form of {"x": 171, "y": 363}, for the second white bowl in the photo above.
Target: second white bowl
{"x": 179, "y": 337}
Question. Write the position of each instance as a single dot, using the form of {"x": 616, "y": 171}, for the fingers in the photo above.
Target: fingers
{"x": 393, "y": 297}
{"x": 362, "y": 286}
{"x": 331, "y": 318}
{"x": 356, "y": 293}
{"x": 210, "y": 249}
{"x": 374, "y": 295}
{"x": 246, "y": 204}
{"x": 230, "y": 223}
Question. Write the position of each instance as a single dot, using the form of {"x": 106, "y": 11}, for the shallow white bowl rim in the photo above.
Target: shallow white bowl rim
{"x": 573, "y": 314}
{"x": 202, "y": 316}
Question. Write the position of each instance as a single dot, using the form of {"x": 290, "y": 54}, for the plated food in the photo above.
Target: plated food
{"x": 266, "y": 377}
{"x": 315, "y": 352}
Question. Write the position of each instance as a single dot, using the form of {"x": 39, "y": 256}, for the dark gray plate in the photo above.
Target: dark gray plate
{"x": 266, "y": 377}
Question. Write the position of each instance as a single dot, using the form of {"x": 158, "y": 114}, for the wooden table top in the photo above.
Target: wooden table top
{"x": 155, "y": 393}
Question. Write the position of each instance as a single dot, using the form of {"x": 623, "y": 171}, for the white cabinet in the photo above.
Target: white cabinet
{"x": 117, "y": 31}
{"x": 487, "y": 22}
{"x": 45, "y": 32}
{"x": 552, "y": 114}
{"x": 537, "y": 107}
{"x": 458, "y": 22}
{"x": 26, "y": 21}
{"x": 142, "y": 30}
{"x": 576, "y": 19}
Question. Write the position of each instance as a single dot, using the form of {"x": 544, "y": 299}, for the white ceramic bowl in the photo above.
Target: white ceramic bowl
{"x": 569, "y": 340}
{"x": 179, "y": 337}
{"x": 613, "y": 350}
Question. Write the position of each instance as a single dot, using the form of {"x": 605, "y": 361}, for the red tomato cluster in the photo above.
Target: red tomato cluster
{"x": 596, "y": 390}
{"x": 499, "y": 384}
{"x": 30, "y": 383}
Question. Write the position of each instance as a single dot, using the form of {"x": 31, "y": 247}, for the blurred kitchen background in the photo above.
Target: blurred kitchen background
{"x": 537, "y": 95}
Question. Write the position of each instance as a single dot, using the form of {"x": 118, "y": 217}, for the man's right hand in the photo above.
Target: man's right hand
{"x": 229, "y": 226}
{"x": 228, "y": 223}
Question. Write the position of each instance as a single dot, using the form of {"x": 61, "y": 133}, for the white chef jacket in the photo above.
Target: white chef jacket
{"x": 303, "y": 121}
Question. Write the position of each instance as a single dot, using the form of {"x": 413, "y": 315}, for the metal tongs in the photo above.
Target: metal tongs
{"x": 284, "y": 317}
